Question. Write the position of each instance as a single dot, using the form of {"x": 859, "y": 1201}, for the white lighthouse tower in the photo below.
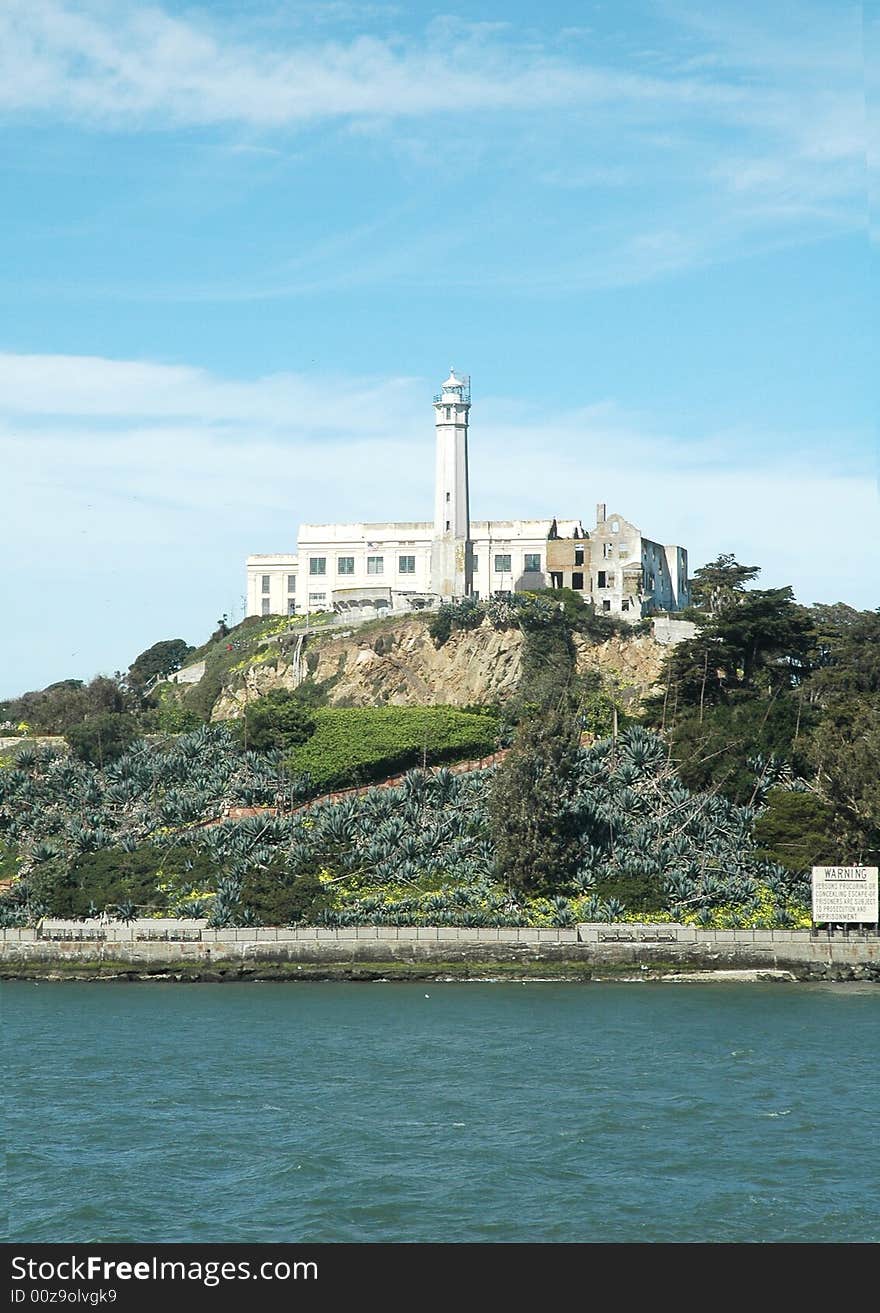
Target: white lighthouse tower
{"x": 451, "y": 549}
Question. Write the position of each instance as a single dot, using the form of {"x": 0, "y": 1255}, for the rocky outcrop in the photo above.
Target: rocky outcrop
{"x": 399, "y": 665}
{"x": 635, "y": 662}
{"x": 55, "y": 741}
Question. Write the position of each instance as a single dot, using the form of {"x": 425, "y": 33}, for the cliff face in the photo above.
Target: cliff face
{"x": 634, "y": 662}
{"x": 400, "y": 666}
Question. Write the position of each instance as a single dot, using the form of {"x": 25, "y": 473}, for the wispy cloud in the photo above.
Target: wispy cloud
{"x": 121, "y": 63}
{"x": 124, "y": 63}
{"x": 90, "y": 386}
{"x": 738, "y": 134}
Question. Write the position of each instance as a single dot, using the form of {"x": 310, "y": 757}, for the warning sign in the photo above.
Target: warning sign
{"x": 844, "y": 894}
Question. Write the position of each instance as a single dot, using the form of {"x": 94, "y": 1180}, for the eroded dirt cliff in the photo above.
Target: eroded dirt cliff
{"x": 400, "y": 665}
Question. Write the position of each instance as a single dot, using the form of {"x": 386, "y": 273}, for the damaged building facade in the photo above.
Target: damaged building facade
{"x": 368, "y": 569}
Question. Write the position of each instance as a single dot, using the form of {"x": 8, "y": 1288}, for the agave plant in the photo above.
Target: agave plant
{"x": 612, "y": 910}
{"x": 562, "y": 914}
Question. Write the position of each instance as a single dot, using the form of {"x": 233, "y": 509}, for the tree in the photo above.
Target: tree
{"x": 761, "y": 643}
{"x": 765, "y": 624}
{"x": 846, "y": 657}
{"x": 173, "y": 716}
{"x": 161, "y": 659}
{"x": 533, "y": 819}
{"x": 721, "y": 582}
{"x": 53, "y": 710}
{"x": 547, "y": 676}
{"x": 798, "y": 831}
{"x": 846, "y": 754}
{"x": 602, "y": 706}
{"x": 718, "y": 749}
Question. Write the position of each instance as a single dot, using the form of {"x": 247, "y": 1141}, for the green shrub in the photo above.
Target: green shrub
{"x": 278, "y": 720}
{"x": 112, "y": 876}
{"x": 353, "y": 745}
{"x": 103, "y": 738}
{"x": 273, "y": 897}
{"x": 201, "y": 697}
{"x": 440, "y": 624}
{"x": 8, "y": 862}
{"x": 643, "y": 893}
{"x": 173, "y": 715}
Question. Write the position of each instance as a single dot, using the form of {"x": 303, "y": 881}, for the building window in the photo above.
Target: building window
{"x": 600, "y": 579}
{"x": 265, "y": 607}
{"x": 447, "y": 496}
{"x": 448, "y": 526}
{"x": 615, "y": 526}
{"x": 291, "y": 606}
{"x": 579, "y": 556}
{"x": 317, "y": 565}
{"x": 607, "y": 550}
{"x": 555, "y": 578}
{"x": 317, "y": 597}
{"x": 624, "y": 606}
{"x": 475, "y": 562}
{"x": 502, "y": 563}
{"x": 577, "y": 581}
{"x": 606, "y": 605}
{"x": 291, "y": 583}
{"x": 406, "y": 564}
{"x": 449, "y": 412}
{"x": 265, "y": 583}
{"x": 375, "y": 564}
{"x": 532, "y": 563}
{"x": 345, "y": 565}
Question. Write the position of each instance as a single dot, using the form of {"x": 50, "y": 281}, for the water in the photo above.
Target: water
{"x": 456, "y": 1112}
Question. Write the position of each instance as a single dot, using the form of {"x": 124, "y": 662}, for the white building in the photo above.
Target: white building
{"x": 367, "y": 569}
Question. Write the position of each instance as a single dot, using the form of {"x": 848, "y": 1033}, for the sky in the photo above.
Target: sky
{"x": 243, "y": 242}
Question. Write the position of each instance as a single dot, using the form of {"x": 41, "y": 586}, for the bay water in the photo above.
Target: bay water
{"x": 441, "y": 1112}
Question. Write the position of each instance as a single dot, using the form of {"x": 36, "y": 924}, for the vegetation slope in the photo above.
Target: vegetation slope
{"x": 756, "y": 757}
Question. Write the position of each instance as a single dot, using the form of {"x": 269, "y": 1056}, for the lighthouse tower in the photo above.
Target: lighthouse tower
{"x": 451, "y": 550}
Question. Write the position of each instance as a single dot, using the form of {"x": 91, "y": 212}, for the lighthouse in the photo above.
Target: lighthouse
{"x": 451, "y": 548}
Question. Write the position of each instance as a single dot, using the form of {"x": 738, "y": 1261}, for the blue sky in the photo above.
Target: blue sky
{"x": 242, "y": 243}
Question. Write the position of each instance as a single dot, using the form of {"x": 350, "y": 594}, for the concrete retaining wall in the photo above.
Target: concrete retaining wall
{"x": 669, "y": 631}
{"x": 152, "y": 944}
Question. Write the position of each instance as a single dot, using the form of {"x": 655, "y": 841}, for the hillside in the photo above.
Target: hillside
{"x": 595, "y": 772}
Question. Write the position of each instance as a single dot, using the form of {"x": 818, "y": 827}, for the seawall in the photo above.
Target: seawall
{"x": 189, "y": 950}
